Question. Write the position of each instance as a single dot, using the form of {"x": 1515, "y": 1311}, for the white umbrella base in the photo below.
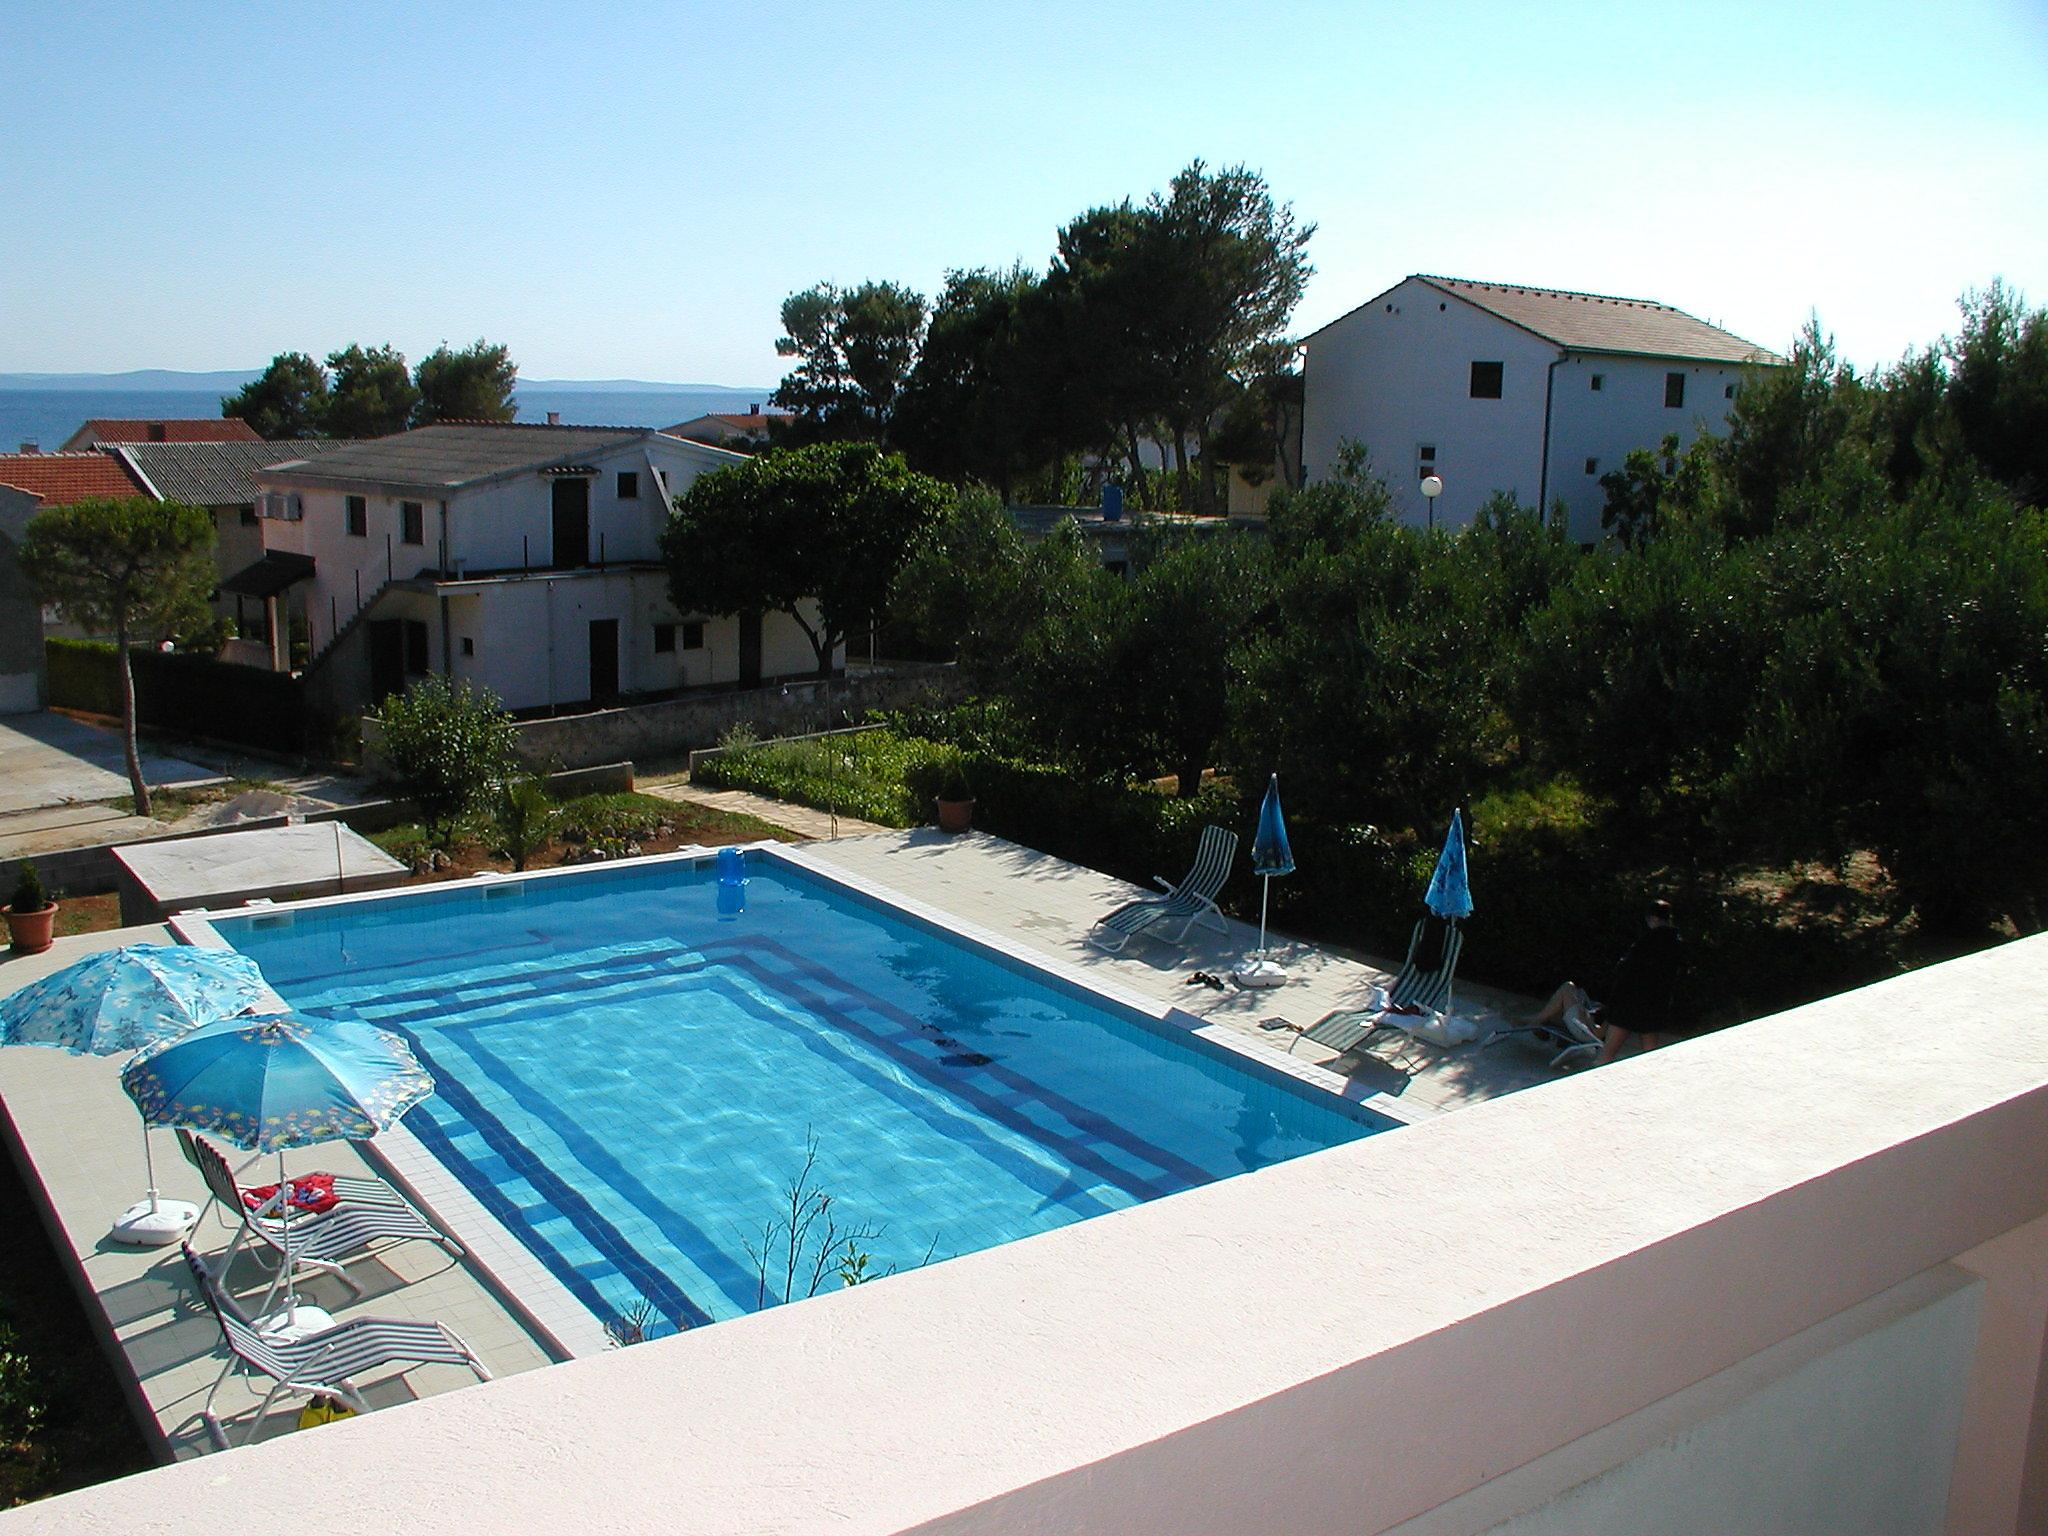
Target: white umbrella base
{"x": 294, "y": 1322}
{"x": 144, "y": 1226}
{"x": 1260, "y": 973}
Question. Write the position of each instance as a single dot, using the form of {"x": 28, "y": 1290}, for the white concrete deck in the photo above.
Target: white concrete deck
{"x": 83, "y": 1137}
{"x": 1048, "y": 905}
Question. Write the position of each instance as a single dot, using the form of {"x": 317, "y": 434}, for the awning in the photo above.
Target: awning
{"x": 269, "y": 576}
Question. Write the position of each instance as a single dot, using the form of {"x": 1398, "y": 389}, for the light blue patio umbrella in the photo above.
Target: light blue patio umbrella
{"x": 279, "y": 1081}
{"x": 123, "y": 1000}
{"x": 1270, "y": 856}
{"x": 1450, "y": 891}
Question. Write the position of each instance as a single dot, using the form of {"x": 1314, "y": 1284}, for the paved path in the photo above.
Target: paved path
{"x": 800, "y": 819}
{"x": 48, "y": 760}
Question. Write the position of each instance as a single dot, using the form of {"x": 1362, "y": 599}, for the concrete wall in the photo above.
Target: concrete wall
{"x": 1395, "y": 375}
{"x": 1787, "y": 1243}
{"x": 674, "y": 727}
{"x": 21, "y": 616}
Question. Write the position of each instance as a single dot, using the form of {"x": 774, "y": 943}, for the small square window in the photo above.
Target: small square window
{"x": 693, "y": 635}
{"x": 1727, "y": 391}
{"x": 358, "y": 510}
{"x": 248, "y": 517}
{"x": 1426, "y": 453}
{"x": 412, "y": 522}
{"x": 1674, "y": 391}
{"x": 468, "y": 646}
{"x": 1592, "y": 466}
{"x": 1599, "y": 382}
{"x": 1486, "y": 381}
{"x": 664, "y": 639}
{"x": 629, "y": 485}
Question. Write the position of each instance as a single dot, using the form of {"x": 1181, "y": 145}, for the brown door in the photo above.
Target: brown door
{"x": 604, "y": 658}
{"x": 572, "y": 522}
{"x": 750, "y": 650}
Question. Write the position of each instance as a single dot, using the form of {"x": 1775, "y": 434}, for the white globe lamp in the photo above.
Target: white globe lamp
{"x": 1432, "y": 487}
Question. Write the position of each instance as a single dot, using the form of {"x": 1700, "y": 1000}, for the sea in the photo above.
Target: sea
{"x": 46, "y": 417}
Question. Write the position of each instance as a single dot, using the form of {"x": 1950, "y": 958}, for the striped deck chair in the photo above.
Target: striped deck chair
{"x": 1424, "y": 981}
{"x": 323, "y": 1362}
{"x": 1190, "y": 902}
{"x": 322, "y": 1243}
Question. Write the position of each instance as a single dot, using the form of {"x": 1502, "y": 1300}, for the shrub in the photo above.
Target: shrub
{"x": 866, "y": 774}
{"x": 29, "y": 892}
{"x": 523, "y": 819}
{"x": 447, "y": 745}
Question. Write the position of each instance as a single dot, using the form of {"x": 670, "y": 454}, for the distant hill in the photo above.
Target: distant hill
{"x": 160, "y": 380}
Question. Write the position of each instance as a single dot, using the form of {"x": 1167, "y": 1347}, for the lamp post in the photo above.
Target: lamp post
{"x": 1432, "y": 487}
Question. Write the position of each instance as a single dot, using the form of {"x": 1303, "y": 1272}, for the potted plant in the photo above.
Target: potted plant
{"x": 30, "y": 914}
{"x": 955, "y": 799}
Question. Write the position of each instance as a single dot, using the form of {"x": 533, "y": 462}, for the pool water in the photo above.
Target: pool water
{"x": 635, "y": 1085}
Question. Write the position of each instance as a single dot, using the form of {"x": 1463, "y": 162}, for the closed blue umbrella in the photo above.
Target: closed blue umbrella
{"x": 1270, "y": 856}
{"x": 279, "y": 1081}
{"x": 1450, "y": 891}
{"x": 123, "y": 1000}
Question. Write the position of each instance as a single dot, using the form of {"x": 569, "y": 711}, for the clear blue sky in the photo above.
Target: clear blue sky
{"x": 631, "y": 190}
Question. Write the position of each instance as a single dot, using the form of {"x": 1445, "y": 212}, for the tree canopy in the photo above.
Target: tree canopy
{"x": 854, "y": 349}
{"x": 137, "y": 569}
{"x": 289, "y": 401}
{"x": 474, "y": 384}
{"x": 1149, "y": 325}
{"x": 369, "y": 392}
{"x": 828, "y": 524}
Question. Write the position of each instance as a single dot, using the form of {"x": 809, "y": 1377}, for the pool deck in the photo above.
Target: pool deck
{"x": 79, "y": 1129}
{"x": 1039, "y": 903}
{"x": 81, "y": 1135}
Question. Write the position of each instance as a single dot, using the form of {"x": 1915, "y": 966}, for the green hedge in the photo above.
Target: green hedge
{"x": 193, "y": 694}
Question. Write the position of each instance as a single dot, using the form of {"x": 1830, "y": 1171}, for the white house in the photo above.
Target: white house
{"x": 1496, "y": 387}
{"x": 522, "y": 558}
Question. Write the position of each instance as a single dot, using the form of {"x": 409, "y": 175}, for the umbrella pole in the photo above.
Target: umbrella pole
{"x": 291, "y": 1283}
{"x": 1265, "y": 895}
{"x": 149, "y": 1167}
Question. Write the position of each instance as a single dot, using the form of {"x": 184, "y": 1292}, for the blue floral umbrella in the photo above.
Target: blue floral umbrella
{"x": 283, "y": 1080}
{"x": 1450, "y": 892}
{"x": 123, "y": 1000}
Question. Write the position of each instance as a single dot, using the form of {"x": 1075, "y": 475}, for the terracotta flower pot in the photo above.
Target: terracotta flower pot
{"x": 29, "y": 932}
{"x": 955, "y": 815}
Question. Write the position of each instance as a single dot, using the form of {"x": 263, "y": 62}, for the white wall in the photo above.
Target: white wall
{"x": 1396, "y": 374}
{"x": 1626, "y": 412}
{"x": 531, "y": 637}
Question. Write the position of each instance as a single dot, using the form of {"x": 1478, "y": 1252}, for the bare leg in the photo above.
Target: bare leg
{"x": 1552, "y": 1011}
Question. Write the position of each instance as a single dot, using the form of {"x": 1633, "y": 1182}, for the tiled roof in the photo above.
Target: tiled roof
{"x": 218, "y": 474}
{"x": 59, "y": 478}
{"x": 451, "y": 454}
{"x": 1593, "y": 322}
{"x": 754, "y": 423}
{"x": 185, "y": 429}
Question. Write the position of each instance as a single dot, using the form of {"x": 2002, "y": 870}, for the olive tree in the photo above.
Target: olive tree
{"x": 137, "y": 569}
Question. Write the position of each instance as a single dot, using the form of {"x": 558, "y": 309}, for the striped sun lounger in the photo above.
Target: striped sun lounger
{"x": 1190, "y": 902}
{"x": 322, "y": 1362}
{"x": 1424, "y": 981}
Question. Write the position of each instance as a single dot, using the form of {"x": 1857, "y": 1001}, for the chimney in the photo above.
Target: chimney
{"x": 554, "y": 418}
{"x": 156, "y": 431}
{"x": 754, "y": 408}
{"x": 31, "y": 447}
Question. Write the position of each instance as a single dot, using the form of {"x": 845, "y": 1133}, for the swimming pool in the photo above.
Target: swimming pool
{"x": 631, "y": 1083}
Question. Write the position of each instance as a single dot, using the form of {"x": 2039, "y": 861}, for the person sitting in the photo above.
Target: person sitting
{"x": 1635, "y": 1014}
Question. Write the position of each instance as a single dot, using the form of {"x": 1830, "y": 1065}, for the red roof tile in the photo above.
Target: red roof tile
{"x": 59, "y": 478}
{"x": 184, "y": 429}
